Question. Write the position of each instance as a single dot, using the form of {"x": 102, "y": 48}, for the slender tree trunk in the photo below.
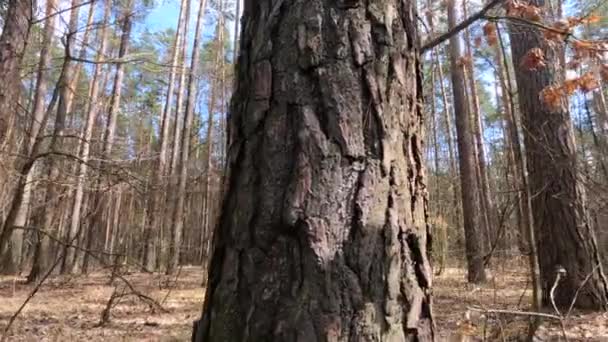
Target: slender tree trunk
{"x": 487, "y": 203}
{"x": 81, "y": 55}
{"x": 179, "y": 211}
{"x": 154, "y": 219}
{"x": 468, "y": 180}
{"x": 98, "y": 199}
{"x": 566, "y": 238}
{"x": 169, "y": 224}
{"x": 325, "y": 168}
{"x": 451, "y": 151}
{"x": 87, "y": 135}
{"x": 206, "y": 232}
{"x": 237, "y": 21}
{"x": 600, "y": 132}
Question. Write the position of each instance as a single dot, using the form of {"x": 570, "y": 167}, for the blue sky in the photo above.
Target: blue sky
{"x": 166, "y": 13}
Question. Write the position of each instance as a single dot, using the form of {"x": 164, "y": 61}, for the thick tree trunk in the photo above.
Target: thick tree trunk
{"x": 565, "y": 236}
{"x": 468, "y": 176}
{"x": 323, "y": 234}
{"x": 13, "y": 40}
{"x": 12, "y": 47}
{"x": 13, "y": 260}
{"x": 525, "y": 196}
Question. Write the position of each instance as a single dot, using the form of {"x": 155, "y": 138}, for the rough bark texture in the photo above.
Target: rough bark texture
{"x": 323, "y": 235}
{"x": 468, "y": 175}
{"x": 565, "y": 235}
{"x": 12, "y": 46}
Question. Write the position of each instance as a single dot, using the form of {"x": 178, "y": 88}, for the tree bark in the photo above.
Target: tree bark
{"x": 565, "y": 236}
{"x": 468, "y": 176}
{"x": 323, "y": 233}
{"x": 529, "y": 233}
{"x": 13, "y": 260}
{"x": 486, "y": 202}
{"x": 14, "y": 37}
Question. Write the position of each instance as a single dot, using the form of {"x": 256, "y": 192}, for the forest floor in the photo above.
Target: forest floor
{"x": 70, "y": 309}
{"x": 456, "y": 303}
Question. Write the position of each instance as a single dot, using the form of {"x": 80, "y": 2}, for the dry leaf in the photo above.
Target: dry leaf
{"x": 588, "y": 83}
{"x": 534, "y": 59}
{"x": 490, "y": 32}
{"x": 552, "y": 97}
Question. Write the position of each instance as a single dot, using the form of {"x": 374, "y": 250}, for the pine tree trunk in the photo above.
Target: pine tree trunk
{"x": 528, "y": 232}
{"x": 487, "y": 203}
{"x": 12, "y": 47}
{"x": 451, "y": 151}
{"x": 154, "y": 220}
{"x": 13, "y": 40}
{"x": 323, "y": 233}
{"x": 566, "y": 238}
{"x": 468, "y": 176}
{"x": 85, "y": 146}
{"x": 12, "y": 261}
{"x": 179, "y": 211}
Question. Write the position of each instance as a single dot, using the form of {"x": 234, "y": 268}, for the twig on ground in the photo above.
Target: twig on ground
{"x": 559, "y": 273}
{"x": 516, "y": 313}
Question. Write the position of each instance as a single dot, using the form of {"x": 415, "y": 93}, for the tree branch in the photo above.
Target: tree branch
{"x": 463, "y": 25}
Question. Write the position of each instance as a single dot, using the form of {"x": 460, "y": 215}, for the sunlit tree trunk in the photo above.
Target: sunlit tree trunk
{"x": 179, "y": 210}
{"x": 13, "y": 260}
{"x": 325, "y": 168}
{"x": 14, "y": 37}
{"x": 154, "y": 219}
{"x": 13, "y": 40}
{"x": 468, "y": 177}
{"x": 566, "y": 238}
{"x": 487, "y": 203}
{"x": 94, "y": 106}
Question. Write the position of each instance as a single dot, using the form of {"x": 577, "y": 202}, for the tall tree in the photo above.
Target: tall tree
{"x": 566, "y": 238}
{"x": 486, "y": 201}
{"x": 216, "y": 90}
{"x": 468, "y": 175}
{"x": 154, "y": 219}
{"x": 179, "y": 210}
{"x": 93, "y": 109}
{"x": 13, "y": 260}
{"x": 323, "y": 232}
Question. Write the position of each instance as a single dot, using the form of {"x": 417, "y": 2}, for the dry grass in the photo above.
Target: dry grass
{"x": 69, "y": 308}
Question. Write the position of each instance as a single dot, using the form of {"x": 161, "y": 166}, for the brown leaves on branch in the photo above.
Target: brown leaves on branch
{"x": 490, "y": 32}
{"x": 520, "y": 9}
{"x": 561, "y": 29}
{"x": 534, "y": 59}
{"x": 554, "y": 96}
